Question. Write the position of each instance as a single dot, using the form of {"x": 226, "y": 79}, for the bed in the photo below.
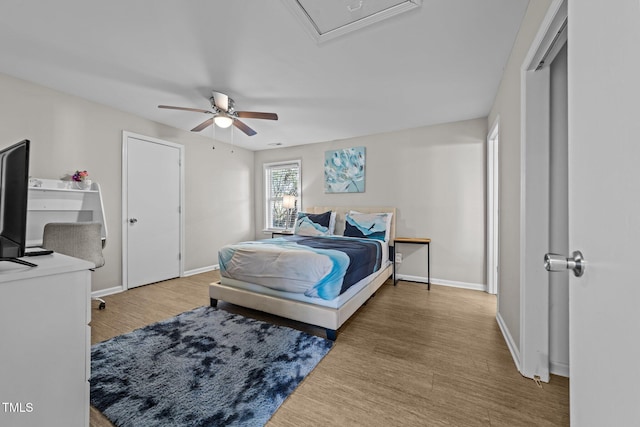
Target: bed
{"x": 318, "y": 304}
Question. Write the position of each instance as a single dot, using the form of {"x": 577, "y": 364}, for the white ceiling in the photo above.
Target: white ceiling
{"x": 438, "y": 63}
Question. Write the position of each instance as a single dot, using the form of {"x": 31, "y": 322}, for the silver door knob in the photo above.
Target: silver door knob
{"x": 555, "y": 262}
{"x": 133, "y": 220}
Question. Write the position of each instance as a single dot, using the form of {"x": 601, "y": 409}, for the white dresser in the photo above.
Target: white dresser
{"x": 45, "y": 342}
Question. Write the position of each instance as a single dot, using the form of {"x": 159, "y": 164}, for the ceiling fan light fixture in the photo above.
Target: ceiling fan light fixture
{"x": 224, "y": 114}
{"x": 223, "y": 121}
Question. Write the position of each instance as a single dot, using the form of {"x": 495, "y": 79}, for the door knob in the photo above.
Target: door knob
{"x": 555, "y": 262}
{"x": 133, "y": 220}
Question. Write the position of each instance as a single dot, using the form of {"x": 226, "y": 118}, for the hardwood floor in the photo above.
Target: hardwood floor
{"x": 409, "y": 357}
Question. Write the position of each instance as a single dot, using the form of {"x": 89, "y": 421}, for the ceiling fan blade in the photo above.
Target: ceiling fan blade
{"x": 203, "y": 125}
{"x": 221, "y": 100}
{"x": 256, "y": 115}
{"x": 197, "y": 110}
{"x": 244, "y": 128}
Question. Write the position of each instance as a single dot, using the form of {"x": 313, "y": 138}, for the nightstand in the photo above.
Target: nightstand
{"x": 414, "y": 241}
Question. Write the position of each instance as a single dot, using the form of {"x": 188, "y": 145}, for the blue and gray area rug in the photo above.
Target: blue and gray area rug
{"x": 205, "y": 367}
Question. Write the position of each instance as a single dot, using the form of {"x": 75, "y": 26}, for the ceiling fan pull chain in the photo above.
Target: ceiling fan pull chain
{"x": 232, "y": 151}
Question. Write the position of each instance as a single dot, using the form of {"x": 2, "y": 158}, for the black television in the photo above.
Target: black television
{"x": 14, "y": 191}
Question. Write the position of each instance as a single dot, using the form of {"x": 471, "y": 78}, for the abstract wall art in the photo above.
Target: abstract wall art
{"x": 344, "y": 170}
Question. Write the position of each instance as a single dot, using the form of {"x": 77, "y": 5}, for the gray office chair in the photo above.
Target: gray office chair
{"x": 77, "y": 239}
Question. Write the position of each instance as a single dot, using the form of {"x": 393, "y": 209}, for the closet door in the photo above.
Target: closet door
{"x": 151, "y": 210}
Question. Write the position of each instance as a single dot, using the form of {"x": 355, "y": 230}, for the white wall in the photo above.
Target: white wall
{"x": 507, "y": 106}
{"x": 434, "y": 175}
{"x": 69, "y": 133}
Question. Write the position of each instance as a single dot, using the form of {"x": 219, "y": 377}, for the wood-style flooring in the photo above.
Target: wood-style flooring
{"x": 409, "y": 357}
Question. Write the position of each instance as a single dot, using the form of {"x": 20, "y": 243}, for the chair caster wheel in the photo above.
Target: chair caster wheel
{"x": 102, "y": 306}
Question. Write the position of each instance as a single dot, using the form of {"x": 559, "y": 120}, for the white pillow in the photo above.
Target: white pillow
{"x": 332, "y": 223}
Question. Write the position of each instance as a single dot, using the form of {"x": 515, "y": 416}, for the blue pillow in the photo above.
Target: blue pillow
{"x": 367, "y": 226}
{"x": 313, "y": 224}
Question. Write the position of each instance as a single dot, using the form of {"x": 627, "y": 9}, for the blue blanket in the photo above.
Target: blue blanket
{"x": 365, "y": 255}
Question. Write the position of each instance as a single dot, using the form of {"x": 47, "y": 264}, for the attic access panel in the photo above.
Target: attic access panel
{"x": 326, "y": 19}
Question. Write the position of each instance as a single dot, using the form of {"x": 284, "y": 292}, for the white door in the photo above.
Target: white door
{"x": 604, "y": 210}
{"x": 151, "y": 210}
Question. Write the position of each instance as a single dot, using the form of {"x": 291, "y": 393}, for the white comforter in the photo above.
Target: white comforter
{"x": 282, "y": 266}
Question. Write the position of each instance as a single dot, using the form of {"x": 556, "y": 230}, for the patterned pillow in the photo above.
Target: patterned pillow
{"x": 368, "y": 226}
{"x": 313, "y": 224}
{"x": 388, "y": 226}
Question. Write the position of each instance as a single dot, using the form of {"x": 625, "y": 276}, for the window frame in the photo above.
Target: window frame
{"x": 269, "y": 199}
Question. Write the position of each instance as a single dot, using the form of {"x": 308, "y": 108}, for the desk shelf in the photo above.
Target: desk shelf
{"x": 52, "y": 200}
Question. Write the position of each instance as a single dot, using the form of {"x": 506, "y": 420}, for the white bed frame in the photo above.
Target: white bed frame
{"x": 326, "y": 317}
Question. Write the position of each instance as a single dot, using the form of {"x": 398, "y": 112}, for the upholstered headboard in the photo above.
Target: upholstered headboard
{"x": 341, "y": 212}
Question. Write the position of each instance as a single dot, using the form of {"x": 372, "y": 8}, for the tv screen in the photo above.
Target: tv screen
{"x": 14, "y": 191}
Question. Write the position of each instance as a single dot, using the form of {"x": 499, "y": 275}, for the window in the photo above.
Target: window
{"x": 281, "y": 179}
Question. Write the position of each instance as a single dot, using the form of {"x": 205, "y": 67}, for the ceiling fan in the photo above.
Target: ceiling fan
{"x": 224, "y": 114}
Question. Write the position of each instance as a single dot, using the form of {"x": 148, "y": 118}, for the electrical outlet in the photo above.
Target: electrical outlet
{"x": 398, "y": 258}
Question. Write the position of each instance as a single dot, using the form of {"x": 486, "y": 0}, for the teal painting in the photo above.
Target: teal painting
{"x": 344, "y": 170}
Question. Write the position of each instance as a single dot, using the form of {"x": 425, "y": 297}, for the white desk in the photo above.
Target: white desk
{"x": 45, "y": 342}
{"x": 58, "y": 201}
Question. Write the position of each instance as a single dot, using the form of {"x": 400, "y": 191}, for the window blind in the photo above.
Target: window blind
{"x": 281, "y": 179}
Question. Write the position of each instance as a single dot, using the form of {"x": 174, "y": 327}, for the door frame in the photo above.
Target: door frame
{"x": 125, "y": 191}
{"x": 534, "y": 193}
{"x": 493, "y": 207}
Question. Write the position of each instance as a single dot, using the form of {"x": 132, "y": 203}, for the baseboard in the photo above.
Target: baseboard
{"x": 511, "y": 344}
{"x": 201, "y": 270}
{"x": 118, "y": 289}
{"x": 559, "y": 368}
{"x": 105, "y": 292}
{"x": 442, "y": 282}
